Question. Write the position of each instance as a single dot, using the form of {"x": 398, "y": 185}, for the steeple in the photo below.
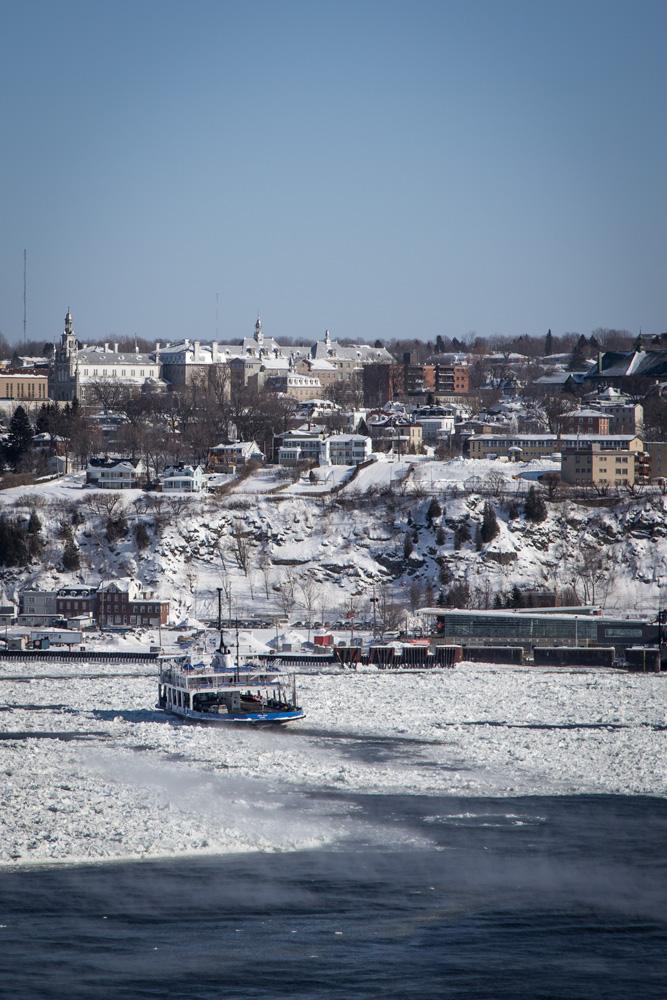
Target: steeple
{"x": 259, "y": 336}
{"x": 68, "y": 340}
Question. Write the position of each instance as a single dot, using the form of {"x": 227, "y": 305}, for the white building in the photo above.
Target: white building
{"x": 82, "y": 371}
{"x": 182, "y": 479}
{"x": 116, "y": 473}
{"x": 345, "y": 449}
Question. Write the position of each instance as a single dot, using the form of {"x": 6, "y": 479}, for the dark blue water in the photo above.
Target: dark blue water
{"x": 520, "y": 898}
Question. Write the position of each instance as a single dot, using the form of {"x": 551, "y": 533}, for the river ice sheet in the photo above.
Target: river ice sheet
{"x": 90, "y": 770}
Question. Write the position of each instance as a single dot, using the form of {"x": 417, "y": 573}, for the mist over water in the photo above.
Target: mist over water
{"x": 531, "y": 897}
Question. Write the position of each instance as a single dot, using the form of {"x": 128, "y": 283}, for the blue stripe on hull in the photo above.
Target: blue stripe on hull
{"x": 236, "y": 716}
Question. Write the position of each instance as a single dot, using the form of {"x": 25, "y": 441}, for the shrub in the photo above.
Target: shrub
{"x": 116, "y": 528}
{"x": 441, "y": 536}
{"x": 143, "y": 539}
{"x": 407, "y": 545}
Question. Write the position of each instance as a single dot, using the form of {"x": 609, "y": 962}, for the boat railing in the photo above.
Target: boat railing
{"x": 198, "y": 682}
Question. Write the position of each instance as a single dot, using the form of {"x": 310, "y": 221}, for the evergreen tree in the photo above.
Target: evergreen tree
{"x": 464, "y": 530}
{"x": 490, "y": 527}
{"x": 71, "y": 557}
{"x": 516, "y": 597}
{"x": 434, "y": 510}
{"x": 34, "y": 524}
{"x": 579, "y": 356}
{"x": 548, "y": 343}
{"x": 20, "y": 437}
{"x": 479, "y": 543}
{"x": 457, "y": 539}
{"x": 535, "y": 508}
{"x": 441, "y": 536}
{"x": 14, "y": 548}
{"x": 407, "y": 545}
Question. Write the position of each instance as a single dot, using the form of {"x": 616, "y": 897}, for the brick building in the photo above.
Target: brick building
{"x": 121, "y": 602}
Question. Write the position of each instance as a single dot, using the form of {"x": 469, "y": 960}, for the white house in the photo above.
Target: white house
{"x": 116, "y": 473}
{"x": 345, "y": 449}
{"x": 182, "y": 479}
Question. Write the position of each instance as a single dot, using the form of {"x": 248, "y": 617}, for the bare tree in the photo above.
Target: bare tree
{"x": 240, "y": 546}
{"x": 309, "y": 595}
{"x": 105, "y": 502}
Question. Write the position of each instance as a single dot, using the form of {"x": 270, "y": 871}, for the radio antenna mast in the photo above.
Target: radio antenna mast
{"x": 25, "y": 335}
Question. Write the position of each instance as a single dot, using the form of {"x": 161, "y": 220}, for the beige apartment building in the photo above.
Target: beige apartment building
{"x": 526, "y": 447}
{"x": 24, "y": 388}
{"x": 599, "y": 466}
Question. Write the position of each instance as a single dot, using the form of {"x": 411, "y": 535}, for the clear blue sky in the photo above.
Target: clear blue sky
{"x": 378, "y": 168}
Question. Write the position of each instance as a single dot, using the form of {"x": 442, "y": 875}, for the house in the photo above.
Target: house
{"x": 73, "y": 602}
{"x": 437, "y": 422}
{"x": 586, "y": 421}
{"x": 622, "y": 369}
{"x": 300, "y": 445}
{"x": 231, "y": 455}
{"x": 345, "y": 449}
{"x": 37, "y": 607}
{"x": 395, "y": 432}
{"x": 116, "y": 473}
{"x": 182, "y": 478}
{"x": 123, "y": 603}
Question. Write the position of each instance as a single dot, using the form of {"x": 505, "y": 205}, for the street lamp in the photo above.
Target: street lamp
{"x": 373, "y": 600}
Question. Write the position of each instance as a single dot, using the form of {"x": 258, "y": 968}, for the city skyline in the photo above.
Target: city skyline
{"x": 380, "y": 170}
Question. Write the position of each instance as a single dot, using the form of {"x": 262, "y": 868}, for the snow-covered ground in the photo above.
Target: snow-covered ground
{"x": 90, "y": 770}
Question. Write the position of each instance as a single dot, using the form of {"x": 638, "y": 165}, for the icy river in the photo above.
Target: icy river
{"x": 479, "y": 832}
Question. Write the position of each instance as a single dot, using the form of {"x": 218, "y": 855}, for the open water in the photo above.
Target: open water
{"x": 498, "y": 898}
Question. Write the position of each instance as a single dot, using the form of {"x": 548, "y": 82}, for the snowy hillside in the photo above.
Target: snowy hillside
{"x": 317, "y": 548}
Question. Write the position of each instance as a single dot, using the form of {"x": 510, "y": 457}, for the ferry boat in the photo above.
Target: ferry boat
{"x": 223, "y": 692}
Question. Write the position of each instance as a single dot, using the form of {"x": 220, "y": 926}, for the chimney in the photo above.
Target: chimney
{"x": 599, "y": 362}
{"x": 106, "y": 347}
{"x": 214, "y": 352}
{"x": 195, "y": 350}
{"x": 157, "y": 350}
{"x": 115, "y": 348}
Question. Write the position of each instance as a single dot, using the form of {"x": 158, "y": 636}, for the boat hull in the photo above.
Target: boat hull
{"x": 242, "y": 718}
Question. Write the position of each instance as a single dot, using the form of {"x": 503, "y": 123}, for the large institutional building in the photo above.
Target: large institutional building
{"x": 77, "y": 371}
